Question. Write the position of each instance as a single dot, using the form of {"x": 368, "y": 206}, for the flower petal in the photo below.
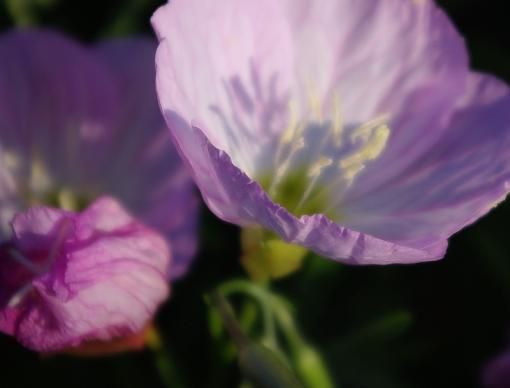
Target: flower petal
{"x": 243, "y": 201}
{"x": 374, "y": 54}
{"x": 373, "y": 61}
{"x": 108, "y": 277}
{"x": 87, "y": 121}
{"x": 226, "y": 70}
{"x": 459, "y": 178}
{"x": 399, "y": 57}
{"x": 143, "y": 147}
{"x": 54, "y": 95}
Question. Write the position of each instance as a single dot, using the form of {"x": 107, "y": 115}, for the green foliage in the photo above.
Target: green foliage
{"x": 24, "y": 12}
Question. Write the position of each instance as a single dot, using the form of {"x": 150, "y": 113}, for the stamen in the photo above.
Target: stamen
{"x": 374, "y": 144}
{"x": 67, "y": 200}
{"x": 290, "y": 137}
{"x": 364, "y": 131}
{"x": 314, "y": 174}
{"x": 370, "y": 150}
{"x": 11, "y": 160}
{"x": 19, "y": 295}
{"x": 355, "y": 163}
{"x": 366, "y": 143}
{"x": 283, "y": 168}
{"x": 317, "y": 167}
{"x": 315, "y": 103}
{"x": 40, "y": 180}
{"x": 291, "y": 129}
{"x": 337, "y": 121}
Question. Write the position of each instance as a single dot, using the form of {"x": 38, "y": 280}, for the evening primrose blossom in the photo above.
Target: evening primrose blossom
{"x": 353, "y": 128}
{"x": 97, "y": 212}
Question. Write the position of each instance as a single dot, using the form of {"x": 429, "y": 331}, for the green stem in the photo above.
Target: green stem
{"x": 127, "y": 18}
{"x": 21, "y": 12}
{"x": 263, "y": 298}
{"x": 164, "y": 361}
{"x": 258, "y": 363}
{"x": 307, "y": 360}
{"x": 228, "y": 318}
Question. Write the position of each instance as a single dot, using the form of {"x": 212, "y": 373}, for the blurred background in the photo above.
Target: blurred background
{"x": 427, "y": 325}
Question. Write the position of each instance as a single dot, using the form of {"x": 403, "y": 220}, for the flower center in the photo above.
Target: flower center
{"x": 309, "y": 165}
{"x": 36, "y": 186}
{"x": 315, "y": 161}
{"x": 67, "y": 200}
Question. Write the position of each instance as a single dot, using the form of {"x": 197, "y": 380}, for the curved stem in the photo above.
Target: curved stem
{"x": 163, "y": 360}
{"x": 227, "y": 315}
{"x": 309, "y": 363}
{"x": 263, "y": 299}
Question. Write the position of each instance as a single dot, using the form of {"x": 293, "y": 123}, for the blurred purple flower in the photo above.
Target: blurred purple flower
{"x": 77, "y": 124}
{"x": 497, "y": 373}
{"x": 68, "y": 278}
{"x": 352, "y": 128}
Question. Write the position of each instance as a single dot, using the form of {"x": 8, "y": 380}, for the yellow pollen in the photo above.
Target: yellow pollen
{"x": 364, "y": 131}
{"x": 67, "y": 200}
{"x": 352, "y": 150}
{"x": 337, "y": 120}
{"x": 373, "y": 147}
{"x": 319, "y": 165}
{"x": 284, "y": 167}
{"x": 11, "y": 160}
{"x": 315, "y": 103}
{"x": 40, "y": 180}
{"x": 291, "y": 129}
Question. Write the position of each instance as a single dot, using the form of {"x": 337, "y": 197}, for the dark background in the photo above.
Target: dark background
{"x": 427, "y": 325}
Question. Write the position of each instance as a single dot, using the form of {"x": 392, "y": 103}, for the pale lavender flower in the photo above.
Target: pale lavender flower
{"x": 78, "y": 124}
{"x": 351, "y": 127}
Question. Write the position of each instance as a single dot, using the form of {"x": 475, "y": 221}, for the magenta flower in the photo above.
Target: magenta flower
{"x": 94, "y": 201}
{"x": 94, "y": 275}
{"x": 352, "y": 128}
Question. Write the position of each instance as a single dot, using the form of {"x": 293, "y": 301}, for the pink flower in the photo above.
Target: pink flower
{"x": 77, "y": 277}
{"x": 94, "y": 200}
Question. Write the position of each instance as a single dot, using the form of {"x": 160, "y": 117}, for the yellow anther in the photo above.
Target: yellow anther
{"x": 40, "y": 180}
{"x": 67, "y": 200}
{"x": 11, "y": 160}
{"x": 337, "y": 119}
{"x": 315, "y": 103}
{"x": 298, "y": 144}
{"x": 375, "y": 143}
{"x": 291, "y": 129}
{"x": 317, "y": 167}
{"x": 365, "y": 130}
{"x": 378, "y": 142}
